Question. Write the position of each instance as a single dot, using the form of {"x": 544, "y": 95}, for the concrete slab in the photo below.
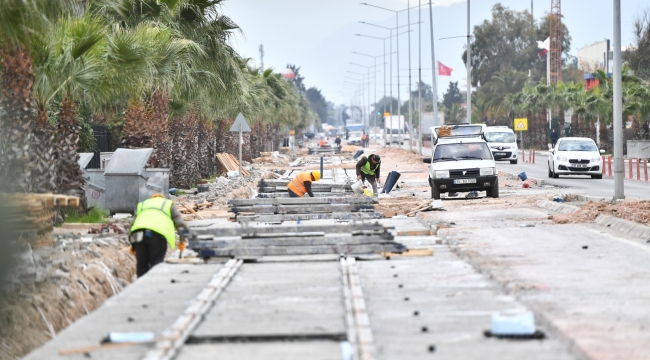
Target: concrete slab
{"x": 152, "y": 303}
{"x": 322, "y": 350}
{"x": 595, "y": 296}
{"x": 279, "y": 299}
{"x": 453, "y": 304}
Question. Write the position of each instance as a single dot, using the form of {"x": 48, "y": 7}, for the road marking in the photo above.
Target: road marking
{"x": 625, "y": 241}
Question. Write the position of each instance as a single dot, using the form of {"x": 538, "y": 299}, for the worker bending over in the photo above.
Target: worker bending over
{"x": 152, "y": 230}
{"x": 301, "y": 183}
{"x": 368, "y": 169}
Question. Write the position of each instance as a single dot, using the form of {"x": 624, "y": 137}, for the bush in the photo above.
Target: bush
{"x": 96, "y": 215}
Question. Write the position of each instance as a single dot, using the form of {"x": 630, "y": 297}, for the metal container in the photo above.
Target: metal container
{"x": 128, "y": 182}
{"x": 638, "y": 149}
{"x": 94, "y": 184}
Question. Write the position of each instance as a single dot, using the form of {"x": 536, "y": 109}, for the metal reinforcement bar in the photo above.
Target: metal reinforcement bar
{"x": 318, "y": 216}
{"x": 174, "y": 337}
{"x": 357, "y": 320}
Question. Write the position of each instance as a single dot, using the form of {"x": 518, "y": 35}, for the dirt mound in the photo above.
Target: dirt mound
{"x": 634, "y": 211}
{"x": 63, "y": 283}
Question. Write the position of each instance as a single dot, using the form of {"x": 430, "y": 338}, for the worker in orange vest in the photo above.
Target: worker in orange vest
{"x": 301, "y": 183}
{"x": 322, "y": 142}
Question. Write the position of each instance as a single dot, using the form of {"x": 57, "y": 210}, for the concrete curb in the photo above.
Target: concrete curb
{"x": 624, "y": 226}
{"x": 557, "y": 207}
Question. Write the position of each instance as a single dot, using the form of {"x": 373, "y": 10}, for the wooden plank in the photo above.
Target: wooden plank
{"x": 190, "y": 209}
{"x": 411, "y": 252}
{"x": 415, "y": 233}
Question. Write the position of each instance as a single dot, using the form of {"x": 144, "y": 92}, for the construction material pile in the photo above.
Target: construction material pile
{"x": 228, "y": 162}
{"x": 286, "y": 209}
{"x": 283, "y": 240}
{"x": 271, "y": 188}
{"x": 32, "y": 215}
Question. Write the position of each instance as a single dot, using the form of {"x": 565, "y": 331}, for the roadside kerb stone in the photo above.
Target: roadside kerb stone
{"x": 624, "y": 226}
{"x": 557, "y": 207}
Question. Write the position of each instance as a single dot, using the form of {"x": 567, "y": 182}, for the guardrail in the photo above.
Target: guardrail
{"x": 632, "y": 168}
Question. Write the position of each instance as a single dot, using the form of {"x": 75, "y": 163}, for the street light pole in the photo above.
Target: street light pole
{"x": 469, "y": 70}
{"x": 434, "y": 82}
{"x": 420, "y": 78}
{"x": 619, "y": 192}
{"x": 408, "y": 17}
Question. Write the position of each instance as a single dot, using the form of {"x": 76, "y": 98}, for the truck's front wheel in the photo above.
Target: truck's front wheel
{"x": 435, "y": 193}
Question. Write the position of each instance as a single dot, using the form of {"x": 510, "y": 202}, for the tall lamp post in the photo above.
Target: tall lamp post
{"x": 361, "y": 89}
{"x": 367, "y": 122}
{"x": 375, "y": 58}
{"x": 399, "y": 99}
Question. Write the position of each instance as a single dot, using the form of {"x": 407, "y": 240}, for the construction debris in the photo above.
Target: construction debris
{"x": 230, "y": 163}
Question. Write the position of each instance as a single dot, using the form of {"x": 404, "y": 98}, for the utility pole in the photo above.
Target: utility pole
{"x": 434, "y": 83}
{"x": 420, "y": 77}
{"x": 262, "y": 56}
{"x": 469, "y": 70}
{"x": 619, "y": 192}
{"x": 408, "y": 16}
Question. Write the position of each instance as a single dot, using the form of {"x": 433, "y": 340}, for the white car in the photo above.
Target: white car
{"x": 462, "y": 163}
{"x": 354, "y": 138}
{"x": 575, "y": 156}
{"x": 503, "y": 143}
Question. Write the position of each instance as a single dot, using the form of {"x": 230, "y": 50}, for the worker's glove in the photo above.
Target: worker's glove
{"x": 182, "y": 246}
{"x": 132, "y": 250}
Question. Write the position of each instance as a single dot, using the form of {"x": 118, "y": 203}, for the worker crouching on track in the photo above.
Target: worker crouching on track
{"x": 301, "y": 183}
{"x": 368, "y": 169}
{"x": 153, "y": 230}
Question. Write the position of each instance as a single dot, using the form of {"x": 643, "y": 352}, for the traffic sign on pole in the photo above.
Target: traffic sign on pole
{"x": 521, "y": 124}
{"x": 240, "y": 125}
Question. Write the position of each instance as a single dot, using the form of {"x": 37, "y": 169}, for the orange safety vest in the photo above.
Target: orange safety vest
{"x": 297, "y": 184}
{"x": 322, "y": 142}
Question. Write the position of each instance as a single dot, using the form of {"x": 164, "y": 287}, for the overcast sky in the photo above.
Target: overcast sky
{"x": 319, "y": 36}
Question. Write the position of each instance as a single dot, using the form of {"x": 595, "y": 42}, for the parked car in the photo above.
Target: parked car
{"x": 502, "y": 142}
{"x": 575, "y": 156}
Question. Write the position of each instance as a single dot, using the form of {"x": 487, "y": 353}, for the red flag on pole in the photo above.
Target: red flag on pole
{"x": 542, "y": 53}
{"x": 444, "y": 70}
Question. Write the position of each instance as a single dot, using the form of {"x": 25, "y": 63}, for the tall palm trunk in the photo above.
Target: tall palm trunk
{"x": 69, "y": 173}
{"x": 18, "y": 122}
{"x": 45, "y": 160}
{"x": 161, "y": 157}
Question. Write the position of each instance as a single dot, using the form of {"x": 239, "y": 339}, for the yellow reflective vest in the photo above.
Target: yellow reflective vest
{"x": 156, "y": 214}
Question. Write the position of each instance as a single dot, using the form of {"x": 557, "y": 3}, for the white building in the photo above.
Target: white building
{"x": 596, "y": 56}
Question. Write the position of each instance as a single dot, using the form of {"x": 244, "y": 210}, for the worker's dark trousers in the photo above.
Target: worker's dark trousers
{"x": 293, "y": 194}
{"x": 372, "y": 180}
{"x": 150, "y": 251}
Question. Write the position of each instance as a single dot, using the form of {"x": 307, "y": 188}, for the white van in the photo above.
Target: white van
{"x": 354, "y": 138}
{"x": 502, "y": 142}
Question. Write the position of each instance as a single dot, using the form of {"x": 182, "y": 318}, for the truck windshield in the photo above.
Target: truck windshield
{"x": 499, "y": 137}
{"x": 460, "y": 151}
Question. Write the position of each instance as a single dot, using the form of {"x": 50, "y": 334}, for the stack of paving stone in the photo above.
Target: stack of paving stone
{"x": 319, "y": 188}
{"x": 361, "y": 238}
{"x": 324, "y": 150}
{"x": 30, "y": 217}
{"x": 285, "y": 209}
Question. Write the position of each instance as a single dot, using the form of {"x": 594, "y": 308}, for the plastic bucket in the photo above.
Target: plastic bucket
{"x": 357, "y": 187}
{"x": 523, "y": 176}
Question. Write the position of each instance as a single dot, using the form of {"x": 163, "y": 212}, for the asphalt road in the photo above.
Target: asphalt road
{"x": 597, "y": 187}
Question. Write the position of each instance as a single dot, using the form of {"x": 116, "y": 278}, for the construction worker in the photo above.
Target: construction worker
{"x": 368, "y": 169}
{"x": 338, "y": 142}
{"x": 322, "y": 142}
{"x": 301, "y": 183}
{"x": 153, "y": 230}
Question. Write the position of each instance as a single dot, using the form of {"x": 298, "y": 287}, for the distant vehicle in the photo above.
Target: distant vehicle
{"x": 462, "y": 162}
{"x": 502, "y": 142}
{"x": 394, "y": 126}
{"x": 309, "y": 135}
{"x": 354, "y": 138}
{"x": 575, "y": 156}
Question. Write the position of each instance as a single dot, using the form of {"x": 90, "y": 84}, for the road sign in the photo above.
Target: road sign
{"x": 521, "y": 124}
{"x": 386, "y": 114}
{"x": 240, "y": 124}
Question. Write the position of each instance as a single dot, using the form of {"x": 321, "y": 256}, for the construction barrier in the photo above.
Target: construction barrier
{"x": 632, "y": 172}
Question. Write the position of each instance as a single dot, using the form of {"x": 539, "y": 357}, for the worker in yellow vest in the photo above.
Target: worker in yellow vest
{"x": 368, "y": 169}
{"x": 301, "y": 183}
{"x": 153, "y": 230}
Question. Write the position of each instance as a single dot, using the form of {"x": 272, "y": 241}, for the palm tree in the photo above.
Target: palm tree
{"x": 20, "y": 23}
